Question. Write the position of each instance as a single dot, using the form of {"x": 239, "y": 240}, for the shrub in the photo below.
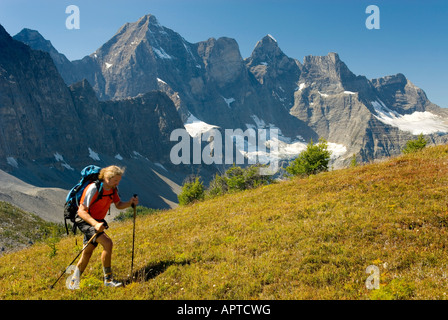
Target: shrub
{"x": 397, "y": 289}
{"x": 218, "y": 186}
{"x": 191, "y": 191}
{"x": 415, "y": 145}
{"x": 238, "y": 179}
{"x": 353, "y": 162}
{"x": 312, "y": 160}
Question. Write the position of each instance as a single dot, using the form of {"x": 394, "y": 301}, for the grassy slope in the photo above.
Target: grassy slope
{"x": 307, "y": 238}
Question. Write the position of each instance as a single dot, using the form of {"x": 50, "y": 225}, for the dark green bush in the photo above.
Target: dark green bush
{"x": 314, "y": 159}
{"x": 191, "y": 191}
{"x": 415, "y": 145}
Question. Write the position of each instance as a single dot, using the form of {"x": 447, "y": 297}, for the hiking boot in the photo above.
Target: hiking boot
{"x": 110, "y": 282}
{"x": 74, "y": 283}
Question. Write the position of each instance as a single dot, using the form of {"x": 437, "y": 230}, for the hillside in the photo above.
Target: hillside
{"x": 20, "y": 229}
{"x": 309, "y": 238}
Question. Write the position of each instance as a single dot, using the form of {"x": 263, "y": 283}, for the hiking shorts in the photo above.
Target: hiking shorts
{"x": 89, "y": 230}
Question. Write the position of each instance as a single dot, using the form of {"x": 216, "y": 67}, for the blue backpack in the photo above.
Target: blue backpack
{"x": 88, "y": 175}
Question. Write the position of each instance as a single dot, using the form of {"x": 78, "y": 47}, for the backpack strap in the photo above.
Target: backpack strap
{"x": 99, "y": 188}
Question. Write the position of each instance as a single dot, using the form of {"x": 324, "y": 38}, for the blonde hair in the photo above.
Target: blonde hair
{"x": 110, "y": 172}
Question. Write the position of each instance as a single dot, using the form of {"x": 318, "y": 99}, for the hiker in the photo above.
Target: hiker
{"x": 90, "y": 220}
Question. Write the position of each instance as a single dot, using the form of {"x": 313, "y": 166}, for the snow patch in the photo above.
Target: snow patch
{"x": 12, "y": 162}
{"x": 258, "y": 122}
{"x": 94, "y": 155}
{"x": 301, "y": 86}
{"x": 415, "y": 123}
{"x": 229, "y": 101}
{"x": 336, "y": 149}
{"x": 288, "y": 149}
{"x": 195, "y": 127}
{"x": 119, "y": 157}
{"x": 264, "y": 63}
{"x": 58, "y": 156}
{"x": 323, "y": 94}
{"x": 160, "y": 80}
{"x": 272, "y": 37}
{"x": 349, "y": 92}
{"x": 160, "y": 165}
{"x": 65, "y": 165}
{"x": 108, "y": 65}
{"x": 161, "y": 53}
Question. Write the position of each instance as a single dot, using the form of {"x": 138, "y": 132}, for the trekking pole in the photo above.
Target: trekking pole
{"x": 63, "y": 271}
{"x": 133, "y": 237}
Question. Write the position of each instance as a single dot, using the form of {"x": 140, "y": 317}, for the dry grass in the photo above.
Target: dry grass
{"x": 309, "y": 238}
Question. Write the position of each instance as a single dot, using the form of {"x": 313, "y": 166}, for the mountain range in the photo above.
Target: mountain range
{"x": 120, "y": 104}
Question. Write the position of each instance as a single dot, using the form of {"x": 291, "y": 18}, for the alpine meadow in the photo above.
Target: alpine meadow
{"x": 304, "y": 238}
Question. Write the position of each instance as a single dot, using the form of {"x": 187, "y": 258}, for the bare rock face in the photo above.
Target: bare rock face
{"x": 325, "y": 101}
{"x": 33, "y": 100}
{"x": 222, "y": 60}
{"x": 401, "y": 94}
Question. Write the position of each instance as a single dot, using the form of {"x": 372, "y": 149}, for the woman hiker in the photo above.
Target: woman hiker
{"x": 90, "y": 220}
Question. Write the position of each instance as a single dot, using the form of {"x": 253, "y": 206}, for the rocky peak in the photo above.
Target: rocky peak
{"x": 4, "y": 36}
{"x": 330, "y": 73}
{"x": 393, "y": 80}
{"x": 269, "y": 64}
{"x": 222, "y": 59}
{"x": 35, "y": 40}
{"x": 329, "y": 65}
{"x": 266, "y": 50}
{"x": 401, "y": 94}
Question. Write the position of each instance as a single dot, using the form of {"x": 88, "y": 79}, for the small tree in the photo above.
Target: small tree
{"x": 313, "y": 160}
{"x": 235, "y": 179}
{"x": 191, "y": 191}
{"x": 218, "y": 186}
{"x": 354, "y": 162}
{"x": 415, "y": 145}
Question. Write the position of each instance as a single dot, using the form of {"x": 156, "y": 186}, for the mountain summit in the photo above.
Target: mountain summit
{"x": 266, "y": 50}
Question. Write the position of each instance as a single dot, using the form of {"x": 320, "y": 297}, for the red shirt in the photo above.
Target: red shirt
{"x": 98, "y": 210}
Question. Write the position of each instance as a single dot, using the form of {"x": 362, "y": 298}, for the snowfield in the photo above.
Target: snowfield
{"x": 415, "y": 123}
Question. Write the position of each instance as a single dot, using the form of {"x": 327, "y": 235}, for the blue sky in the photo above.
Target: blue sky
{"x": 412, "y": 39}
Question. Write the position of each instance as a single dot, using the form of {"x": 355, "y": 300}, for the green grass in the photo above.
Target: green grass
{"x": 309, "y": 238}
